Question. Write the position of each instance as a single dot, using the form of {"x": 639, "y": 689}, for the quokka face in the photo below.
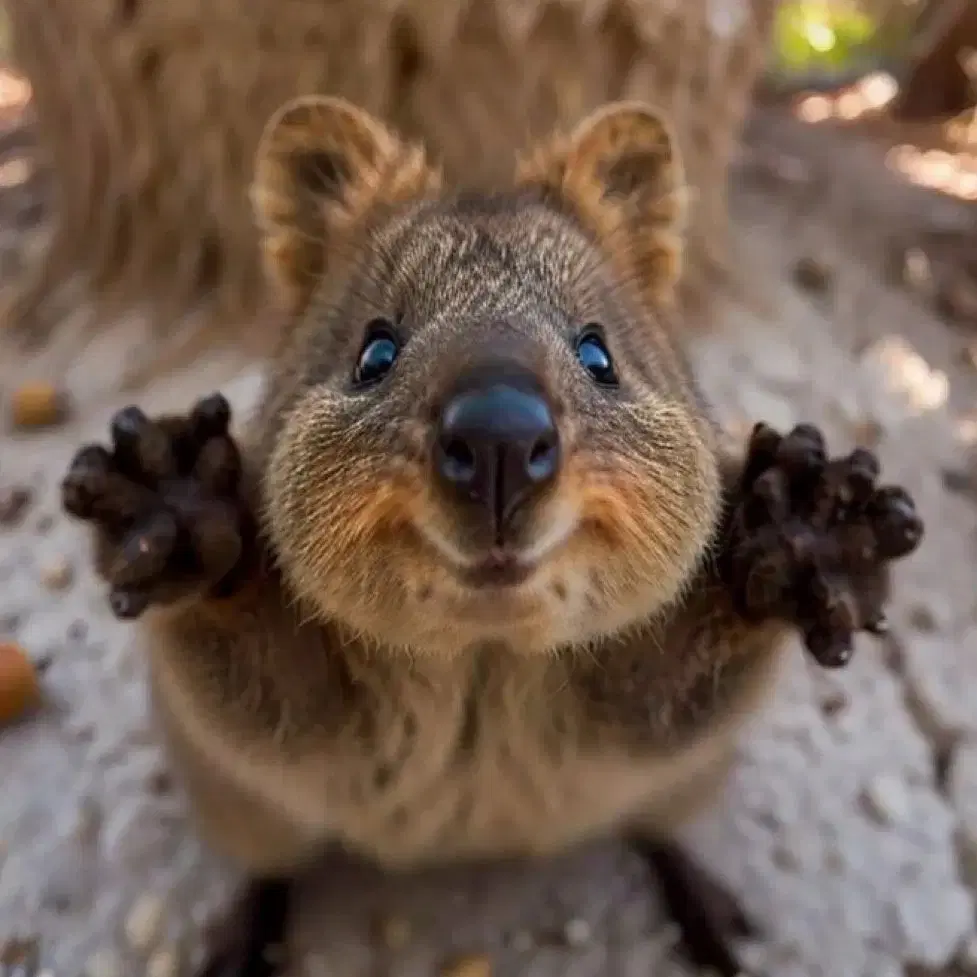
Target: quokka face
{"x": 484, "y": 433}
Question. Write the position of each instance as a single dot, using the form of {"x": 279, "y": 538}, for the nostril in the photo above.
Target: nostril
{"x": 543, "y": 459}
{"x": 457, "y": 461}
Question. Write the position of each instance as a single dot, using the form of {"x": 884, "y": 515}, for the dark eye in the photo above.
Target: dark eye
{"x": 377, "y": 355}
{"x": 595, "y": 359}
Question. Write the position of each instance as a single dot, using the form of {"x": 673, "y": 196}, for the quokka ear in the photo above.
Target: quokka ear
{"x": 321, "y": 166}
{"x": 621, "y": 172}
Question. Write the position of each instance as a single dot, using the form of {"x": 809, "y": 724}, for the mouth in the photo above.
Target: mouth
{"x": 500, "y": 569}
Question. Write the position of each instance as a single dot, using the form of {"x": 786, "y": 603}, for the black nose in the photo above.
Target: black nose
{"x": 497, "y": 443}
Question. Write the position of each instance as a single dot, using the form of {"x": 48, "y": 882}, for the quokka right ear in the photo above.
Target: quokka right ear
{"x": 322, "y": 163}
{"x": 621, "y": 171}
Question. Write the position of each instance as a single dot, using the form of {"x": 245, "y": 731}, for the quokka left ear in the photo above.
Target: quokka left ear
{"x": 321, "y": 165}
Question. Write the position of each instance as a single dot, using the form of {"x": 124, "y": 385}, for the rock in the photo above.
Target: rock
{"x": 922, "y": 618}
{"x": 577, "y": 932}
{"x": 58, "y": 575}
{"x": 163, "y": 963}
{"x": 19, "y": 687}
{"x": 813, "y": 275}
{"x": 144, "y": 922}
{"x": 38, "y": 405}
{"x": 14, "y": 503}
{"x": 886, "y": 800}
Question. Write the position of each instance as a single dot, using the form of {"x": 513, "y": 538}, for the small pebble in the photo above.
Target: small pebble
{"x": 886, "y": 800}
{"x": 785, "y": 858}
{"x": 834, "y": 861}
{"x": 867, "y": 432}
{"x": 577, "y": 932}
{"x": 468, "y": 966}
{"x": 163, "y": 963}
{"x": 959, "y": 481}
{"x": 38, "y": 405}
{"x": 103, "y": 963}
{"x": 77, "y": 631}
{"x": 14, "y": 503}
{"x": 20, "y": 956}
{"x": 923, "y": 619}
{"x": 20, "y": 690}
{"x": 834, "y": 704}
{"x": 813, "y": 275}
{"x": 144, "y": 923}
{"x": 58, "y": 575}
{"x": 160, "y": 781}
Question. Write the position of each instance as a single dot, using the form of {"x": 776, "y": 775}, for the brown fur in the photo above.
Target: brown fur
{"x": 355, "y": 690}
{"x": 149, "y": 113}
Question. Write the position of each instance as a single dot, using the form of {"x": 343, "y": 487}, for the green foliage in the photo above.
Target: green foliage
{"x": 812, "y": 35}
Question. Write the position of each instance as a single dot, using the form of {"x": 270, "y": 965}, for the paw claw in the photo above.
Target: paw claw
{"x": 768, "y": 499}
{"x": 830, "y": 650}
{"x": 85, "y": 480}
{"x": 145, "y": 553}
{"x": 128, "y": 423}
{"x": 878, "y": 626}
{"x": 218, "y": 466}
{"x": 898, "y": 527}
{"x": 143, "y": 451}
{"x": 211, "y": 417}
{"x": 128, "y": 604}
{"x": 812, "y": 539}
{"x": 761, "y": 452}
{"x": 802, "y": 452}
{"x": 864, "y": 469}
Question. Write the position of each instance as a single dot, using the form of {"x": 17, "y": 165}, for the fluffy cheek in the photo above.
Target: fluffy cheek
{"x": 338, "y": 509}
{"x": 647, "y": 512}
{"x": 345, "y": 528}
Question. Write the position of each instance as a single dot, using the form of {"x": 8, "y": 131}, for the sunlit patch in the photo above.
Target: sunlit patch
{"x": 965, "y": 430}
{"x": 868, "y": 95}
{"x": 905, "y": 373}
{"x": 937, "y": 169}
{"x": 15, "y": 92}
{"x": 815, "y": 108}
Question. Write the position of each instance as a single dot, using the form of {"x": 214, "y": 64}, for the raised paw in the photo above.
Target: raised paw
{"x": 164, "y": 502}
{"x": 811, "y": 538}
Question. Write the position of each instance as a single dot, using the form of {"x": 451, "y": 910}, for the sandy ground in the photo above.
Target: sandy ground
{"x": 850, "y": 827}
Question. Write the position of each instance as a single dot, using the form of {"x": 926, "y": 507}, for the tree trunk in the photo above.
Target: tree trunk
{"x": 937, "y": 85}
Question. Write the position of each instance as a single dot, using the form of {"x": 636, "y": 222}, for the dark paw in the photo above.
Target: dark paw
{"x": 164, "y": 504}
{"x": 812, "y": 537}
{"x": 708, "y": 915}
{"x": 253, "y": 945}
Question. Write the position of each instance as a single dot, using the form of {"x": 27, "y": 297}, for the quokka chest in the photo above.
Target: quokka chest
{"x": 504, "y": 769}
